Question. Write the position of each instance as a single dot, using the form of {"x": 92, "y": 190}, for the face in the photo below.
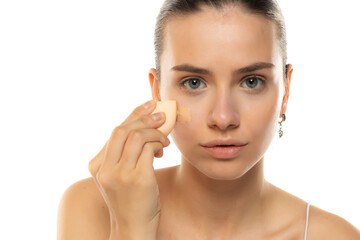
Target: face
{"x": 226, "y": 67}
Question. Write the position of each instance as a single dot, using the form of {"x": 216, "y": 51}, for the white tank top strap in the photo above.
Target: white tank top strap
{"x": 307, "y": 220}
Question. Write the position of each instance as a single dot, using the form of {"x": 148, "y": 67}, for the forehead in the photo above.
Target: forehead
{"x": 212, "y": 38}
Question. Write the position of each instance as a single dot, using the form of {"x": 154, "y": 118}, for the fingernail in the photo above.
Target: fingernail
{"x": 148, "y": 104}
{"x": 158, "y": 116}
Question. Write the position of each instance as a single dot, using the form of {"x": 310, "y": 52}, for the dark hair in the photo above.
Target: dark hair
{"x": 267, "y": 8}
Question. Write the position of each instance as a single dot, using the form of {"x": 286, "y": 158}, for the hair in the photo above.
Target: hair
{"x": 270, "y": 9}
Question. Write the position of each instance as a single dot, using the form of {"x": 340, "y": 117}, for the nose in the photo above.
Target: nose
{"x": 224, "y": 113}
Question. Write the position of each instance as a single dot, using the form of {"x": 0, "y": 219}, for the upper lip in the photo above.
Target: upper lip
{"x": 226, "y": 142}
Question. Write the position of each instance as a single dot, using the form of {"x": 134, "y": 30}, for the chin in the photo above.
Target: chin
{"x": 219, "y": 169}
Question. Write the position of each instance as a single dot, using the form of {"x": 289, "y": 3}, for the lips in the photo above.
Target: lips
{"x": 223, "y": 143}
{"x": 224, "y": 148}
{"x": 224, "y": 152}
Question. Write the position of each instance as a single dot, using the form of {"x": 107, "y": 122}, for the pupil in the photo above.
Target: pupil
{"x": 194, "y": 83}
{"x": 252, "y": 82}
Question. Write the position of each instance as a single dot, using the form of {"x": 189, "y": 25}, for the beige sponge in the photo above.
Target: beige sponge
{"x": 169, "y": 107}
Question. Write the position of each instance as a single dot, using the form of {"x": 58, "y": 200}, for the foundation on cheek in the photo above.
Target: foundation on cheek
{"x": 183, "y": 114}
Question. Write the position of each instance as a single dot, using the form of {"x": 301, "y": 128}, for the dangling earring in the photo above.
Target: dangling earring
{"x": 281, "y": 133}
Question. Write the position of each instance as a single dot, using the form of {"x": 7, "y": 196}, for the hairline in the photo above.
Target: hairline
{"x": 221, "y": 7}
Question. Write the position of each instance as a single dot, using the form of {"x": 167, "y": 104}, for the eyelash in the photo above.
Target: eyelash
{"x": 262, "y": 81}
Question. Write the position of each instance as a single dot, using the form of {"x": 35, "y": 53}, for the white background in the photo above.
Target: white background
{"x": 72, "y": 70}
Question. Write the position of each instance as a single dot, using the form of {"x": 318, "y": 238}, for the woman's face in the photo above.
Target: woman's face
{"x": 224, "y": 102}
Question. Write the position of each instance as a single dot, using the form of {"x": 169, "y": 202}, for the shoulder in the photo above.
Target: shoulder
{"x": 326, "y": 225}
{"x": 82, "y": 190}
{"x": 321, "y": 224}
{"x": 82, "y": 212}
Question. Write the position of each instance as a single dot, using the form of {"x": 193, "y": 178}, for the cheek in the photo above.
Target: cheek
{"x": 185, "y": 133}
{"x": 261, "y": 118}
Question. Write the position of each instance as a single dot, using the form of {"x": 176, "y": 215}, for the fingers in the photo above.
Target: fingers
{"x": 130, "y": 137}
{"x": 142, "y": 110}
{"x": 145, "y": 161}
{"x": 125, "y": 132}
{"x": 135, "y": 143}
{"x": 159, "y": 154}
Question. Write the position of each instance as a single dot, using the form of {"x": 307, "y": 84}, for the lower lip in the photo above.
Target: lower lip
{"x": 225, "y": 152}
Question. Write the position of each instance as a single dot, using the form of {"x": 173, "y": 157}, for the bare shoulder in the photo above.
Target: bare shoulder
{"x": 321, "y": 224}
{"x": 82, "y": 212}
{"x": 326, "y": 225}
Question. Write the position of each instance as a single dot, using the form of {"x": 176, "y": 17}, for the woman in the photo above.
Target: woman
{"x": 224, "y": 61}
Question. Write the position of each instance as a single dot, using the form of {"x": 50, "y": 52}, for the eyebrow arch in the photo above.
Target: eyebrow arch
{"x": 251, "y": 68}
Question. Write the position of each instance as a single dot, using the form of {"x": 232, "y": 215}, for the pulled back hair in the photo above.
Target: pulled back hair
{"x": 266, "y": 8}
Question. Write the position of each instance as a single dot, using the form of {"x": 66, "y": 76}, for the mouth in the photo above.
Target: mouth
{"x": 224, "y": 143}
{"x": 224, "y": 151}
{"x": 224, "y": 146}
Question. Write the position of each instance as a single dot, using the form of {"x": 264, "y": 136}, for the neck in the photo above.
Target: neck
{"x": 212, "y": 203}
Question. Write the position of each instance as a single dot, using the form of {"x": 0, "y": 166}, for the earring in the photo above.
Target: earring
{"x": 281, "y": 133}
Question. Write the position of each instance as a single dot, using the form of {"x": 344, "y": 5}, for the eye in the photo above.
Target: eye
{"x": 252, "y": 82}
{"x": 192, "y": 83}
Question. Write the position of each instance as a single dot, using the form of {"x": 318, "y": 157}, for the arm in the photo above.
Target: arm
{"x": 124, "y": 179}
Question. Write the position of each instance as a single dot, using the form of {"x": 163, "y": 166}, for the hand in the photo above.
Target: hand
{"x": 123, "y": 171}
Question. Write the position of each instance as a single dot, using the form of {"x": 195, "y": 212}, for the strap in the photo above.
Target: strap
{"x": 307, "y": 220}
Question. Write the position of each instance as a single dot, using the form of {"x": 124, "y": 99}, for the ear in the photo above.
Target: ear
{"x": 153, "y": 80}
{"x": 287, "y": 89}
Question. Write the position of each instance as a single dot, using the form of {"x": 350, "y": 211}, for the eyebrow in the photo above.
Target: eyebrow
{"x": 251, "y": 68}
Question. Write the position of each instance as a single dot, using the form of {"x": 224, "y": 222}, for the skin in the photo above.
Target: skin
{"x": 225, "y": 108}
{"x": 205, "y": 197}
{"x": 234, "y": 193}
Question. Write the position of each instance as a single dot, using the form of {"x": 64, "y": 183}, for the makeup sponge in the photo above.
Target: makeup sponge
{"x": 169, "y": 107}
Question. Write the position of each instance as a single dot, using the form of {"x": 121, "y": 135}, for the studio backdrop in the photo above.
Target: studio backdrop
{"x": 71, "y": 71}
